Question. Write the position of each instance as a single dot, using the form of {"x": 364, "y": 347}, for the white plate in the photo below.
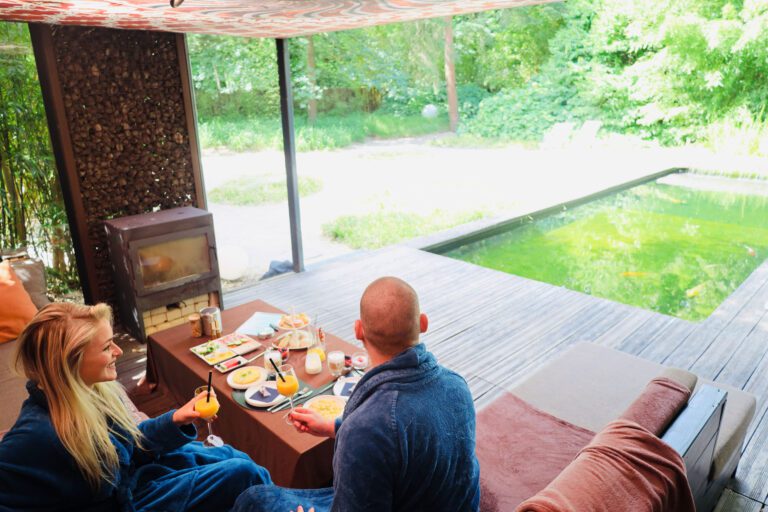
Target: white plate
{"x": 341, "y": 382}
{"x": 294, "y": 340}
{"x": 338, "y": 400}
{"x": 234, "y": 385}
{"x": 254, "y": 398}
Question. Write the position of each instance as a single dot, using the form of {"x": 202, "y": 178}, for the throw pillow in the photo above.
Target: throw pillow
{"x": 32, "y": 275}
{"x": 17, "y": 309}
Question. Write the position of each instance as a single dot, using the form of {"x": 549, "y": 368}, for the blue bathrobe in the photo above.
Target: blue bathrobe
{"x": 37, "y": 473}
{"x": 406, "y": 442}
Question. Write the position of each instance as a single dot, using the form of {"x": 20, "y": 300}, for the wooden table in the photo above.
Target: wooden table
{"x": 293, "y": 459}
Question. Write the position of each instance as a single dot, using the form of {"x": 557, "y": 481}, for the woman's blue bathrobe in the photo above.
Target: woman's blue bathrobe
{"x": 406, "y": 443}
{"x": 173, "y": 474}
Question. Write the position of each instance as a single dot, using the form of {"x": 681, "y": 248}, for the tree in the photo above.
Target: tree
{"x": 32, "y": 207}
{"x": 450, "y": 76}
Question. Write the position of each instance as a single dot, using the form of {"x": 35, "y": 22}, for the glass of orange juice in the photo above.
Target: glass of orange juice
{"x": 287, "y": 385}
{"x": 208, "y": 406}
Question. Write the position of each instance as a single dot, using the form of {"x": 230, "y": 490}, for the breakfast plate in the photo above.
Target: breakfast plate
{"x": 295, "y": 321}
{"x": 255, "y": 398}
{"x": 345, "y": 385}
{"x": 246, "y": 376}
{"x": 330, "y": 407}
{"x": 295, "y": 340}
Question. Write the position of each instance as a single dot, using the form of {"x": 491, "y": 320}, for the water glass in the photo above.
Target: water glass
{"x": 335, "y": 360}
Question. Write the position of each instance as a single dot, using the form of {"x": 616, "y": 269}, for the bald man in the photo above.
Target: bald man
{"x": 406, "y": 441}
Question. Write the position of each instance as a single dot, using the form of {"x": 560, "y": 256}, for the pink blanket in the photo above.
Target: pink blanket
{"x": 521, "y": 449}
{"x": 626, "y": 468}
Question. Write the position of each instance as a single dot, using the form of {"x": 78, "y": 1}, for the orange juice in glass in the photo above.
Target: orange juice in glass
{"x": 287, "y": 385}
{"x": 208, "y": 406}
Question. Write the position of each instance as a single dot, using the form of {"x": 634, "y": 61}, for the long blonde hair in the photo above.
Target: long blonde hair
{"x": 50, "y": 351}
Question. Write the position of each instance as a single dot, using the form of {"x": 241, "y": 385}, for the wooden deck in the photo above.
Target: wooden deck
{"x": 476, "y": 310}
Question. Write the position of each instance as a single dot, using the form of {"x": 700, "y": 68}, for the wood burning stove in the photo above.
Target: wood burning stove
{"x": 165, "y": 267}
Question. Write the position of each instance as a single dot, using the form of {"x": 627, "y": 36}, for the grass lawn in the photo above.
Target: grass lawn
{"x": 253, "y": 191}
{"x": 328, "y": 132}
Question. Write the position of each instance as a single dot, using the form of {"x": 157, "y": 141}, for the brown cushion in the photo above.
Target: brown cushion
{"x": 590, "y": 385}
{"x": 32, "y": 275}
{"x": 18, "y": 308}
{"x": 12, "y": 385}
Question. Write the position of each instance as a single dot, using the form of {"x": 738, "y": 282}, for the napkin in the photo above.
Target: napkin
{"x": 259, "y": 322}
{"x": 258, "y": 397}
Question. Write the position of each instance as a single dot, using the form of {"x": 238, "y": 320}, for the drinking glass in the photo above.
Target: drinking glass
{"x": 287, "y": 385}
{"x": 208, "y": 406}
{"x": 335, "y": 362}
{"x": 360, "y": 361}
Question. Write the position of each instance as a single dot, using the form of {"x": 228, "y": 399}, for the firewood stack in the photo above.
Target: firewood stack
{"x": 122, "y": 94}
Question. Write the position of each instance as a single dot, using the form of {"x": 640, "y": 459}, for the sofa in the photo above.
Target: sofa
{"x": 587, "y": 387}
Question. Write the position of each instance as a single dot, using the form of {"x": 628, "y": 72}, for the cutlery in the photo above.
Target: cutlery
{"x": 285, "y": 402}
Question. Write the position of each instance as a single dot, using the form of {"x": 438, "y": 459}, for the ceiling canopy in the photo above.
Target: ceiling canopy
{"x": 251, "y": 18}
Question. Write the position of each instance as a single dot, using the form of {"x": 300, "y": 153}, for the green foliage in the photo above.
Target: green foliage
{"x": 242, "y": 134}
{"x": 253, "y": 191}
{"x": 384, "y": 227}
{"x": 32, "y": 208}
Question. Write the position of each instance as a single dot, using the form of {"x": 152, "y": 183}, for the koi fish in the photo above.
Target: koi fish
{"x": 695, "y": 291}
{"x": 634, "y": 274}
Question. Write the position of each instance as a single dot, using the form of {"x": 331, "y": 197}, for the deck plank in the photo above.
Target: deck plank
{"x": 524, "y": 323}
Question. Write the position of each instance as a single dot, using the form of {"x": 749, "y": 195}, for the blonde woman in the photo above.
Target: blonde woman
{"x": 75, "y": 446}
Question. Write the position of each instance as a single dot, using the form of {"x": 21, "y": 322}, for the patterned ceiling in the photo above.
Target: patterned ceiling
{"x": 251, "y": 18}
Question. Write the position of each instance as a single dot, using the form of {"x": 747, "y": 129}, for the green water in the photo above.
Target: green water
{"x": 669, "y": 249}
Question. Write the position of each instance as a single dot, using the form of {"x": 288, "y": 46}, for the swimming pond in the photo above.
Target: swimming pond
{"x": 670, "y": 249}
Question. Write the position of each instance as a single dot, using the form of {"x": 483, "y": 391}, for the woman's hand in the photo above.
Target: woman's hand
{"x": 187, "y": 413}
{"x": 308, "y": 421}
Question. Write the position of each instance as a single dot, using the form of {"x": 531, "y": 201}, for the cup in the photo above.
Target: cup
{"x": 312, "y": 364}
{"x": 360, "y": 360}
{"x": 275, "y": 356}
{"x": 196, "y": 325}
{"x": 335, "y": 360}
{"x": 211, "y": 318}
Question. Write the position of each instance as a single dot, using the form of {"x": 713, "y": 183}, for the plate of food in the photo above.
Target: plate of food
{"x": 329, "y": 407}
{"x": 239, "y": 343}
{"x": 294, "y": 321}
{"x": 213, "y": 352}
{"x": 345, "y": 385}
{"x": 296, "y": 340}
{"x": 263, "y": 394}
{"x": 246, "y": 376}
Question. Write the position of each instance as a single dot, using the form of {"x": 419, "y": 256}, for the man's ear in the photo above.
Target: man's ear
{"x": 423, "y": 323}
{"x": 359, "y": 333}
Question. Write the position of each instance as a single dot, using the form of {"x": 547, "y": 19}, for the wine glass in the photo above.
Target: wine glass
{"x": 208, "y": 406}
{"x": 287, "y": 385}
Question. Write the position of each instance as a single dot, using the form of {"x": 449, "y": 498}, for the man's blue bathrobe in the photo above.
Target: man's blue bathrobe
{"x": 173, "y": 474}
{"x": 406, "y": 443}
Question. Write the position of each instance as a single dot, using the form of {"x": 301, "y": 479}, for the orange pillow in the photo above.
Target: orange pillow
{"x": 16, "y": 307}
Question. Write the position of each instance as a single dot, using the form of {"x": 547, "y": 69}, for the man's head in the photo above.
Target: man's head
{"x": 390, "y": 320}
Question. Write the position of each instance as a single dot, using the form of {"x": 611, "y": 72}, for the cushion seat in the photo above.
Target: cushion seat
{"x": 590, "y": 385}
